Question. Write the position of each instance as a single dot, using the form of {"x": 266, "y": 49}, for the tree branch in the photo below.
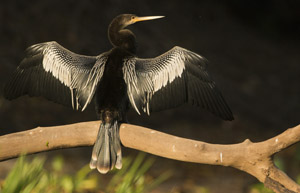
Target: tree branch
{"x": 253, "y": 158}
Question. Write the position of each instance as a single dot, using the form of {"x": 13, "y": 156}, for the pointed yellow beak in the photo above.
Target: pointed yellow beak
{"x": 137, "y": 19}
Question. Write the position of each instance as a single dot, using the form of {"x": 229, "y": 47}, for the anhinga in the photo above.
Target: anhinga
{"x": 115, "y": 79}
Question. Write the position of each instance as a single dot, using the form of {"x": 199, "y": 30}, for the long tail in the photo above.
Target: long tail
{"x": 107, "y": 150}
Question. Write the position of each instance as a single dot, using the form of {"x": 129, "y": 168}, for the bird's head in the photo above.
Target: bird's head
{"x": 129, "y": 19}
{"x": 124, "y": 38}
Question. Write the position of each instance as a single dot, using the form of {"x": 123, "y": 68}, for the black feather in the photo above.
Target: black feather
{"x": 51, "y": 71}
{"x": 175, "y": 77}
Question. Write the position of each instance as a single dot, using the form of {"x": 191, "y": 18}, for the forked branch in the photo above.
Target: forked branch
{"x": 253, "y": 158}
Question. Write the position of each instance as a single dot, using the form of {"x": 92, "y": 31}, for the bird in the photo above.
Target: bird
{"x": 115, "y": 81}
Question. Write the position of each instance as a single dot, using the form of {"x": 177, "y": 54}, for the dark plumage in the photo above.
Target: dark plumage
{"x": 114, "y": 80}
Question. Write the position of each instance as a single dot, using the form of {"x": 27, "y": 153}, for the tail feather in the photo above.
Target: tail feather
{"x": 117, "y": 147}
{"x": 107, "y": 150}
{"x": 119, "y": 160}
{"x": 97, "y": 147}
{"x": 113, "y": 154}
{"x": 104, "y": 160}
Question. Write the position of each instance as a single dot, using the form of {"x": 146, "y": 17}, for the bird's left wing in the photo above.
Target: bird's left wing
{"x": 171, "y": 79}
{"x": 52, "y": 71}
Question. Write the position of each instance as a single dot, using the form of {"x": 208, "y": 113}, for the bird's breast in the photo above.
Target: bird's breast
{"x": 112, "y": 90}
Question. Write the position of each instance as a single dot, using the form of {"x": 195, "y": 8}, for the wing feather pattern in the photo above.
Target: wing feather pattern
{"x": 171, "y": 79}
{"x": 58, "y": 74}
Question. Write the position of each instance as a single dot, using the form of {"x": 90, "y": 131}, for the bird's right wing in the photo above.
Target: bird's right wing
{"x": 171, "y": 79}
{"x": 51, "y": 71}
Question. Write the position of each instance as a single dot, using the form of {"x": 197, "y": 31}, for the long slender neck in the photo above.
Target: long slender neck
{"x": 120, "y": 37}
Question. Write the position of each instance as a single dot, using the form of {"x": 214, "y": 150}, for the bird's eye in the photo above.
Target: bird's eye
{"x": 132, "y": 17}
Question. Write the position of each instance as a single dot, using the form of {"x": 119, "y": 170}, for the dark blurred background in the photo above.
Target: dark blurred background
{"x": 253, "y": 52}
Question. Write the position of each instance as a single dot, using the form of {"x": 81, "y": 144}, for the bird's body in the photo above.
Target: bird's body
{"x": 116, "y": 80}
{"x": 111, "y": 106}
{"x": 112, "y": 90}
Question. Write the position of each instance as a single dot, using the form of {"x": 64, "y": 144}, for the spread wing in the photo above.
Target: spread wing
{"x": 171, "y": 79}
{"x": 51, "y": 71}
